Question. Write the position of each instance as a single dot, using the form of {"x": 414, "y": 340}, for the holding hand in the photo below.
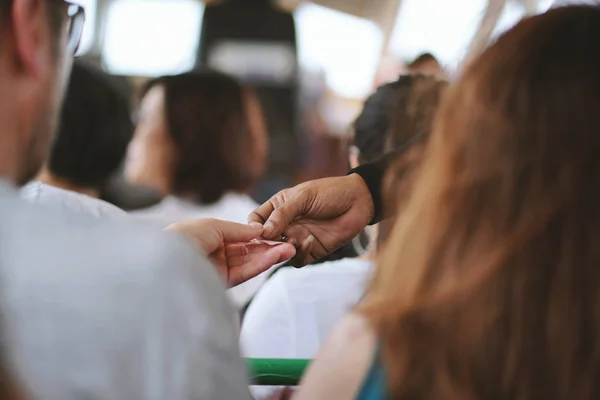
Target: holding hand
{"x": 318, "y": 216}
{"x": 231, "y": 249}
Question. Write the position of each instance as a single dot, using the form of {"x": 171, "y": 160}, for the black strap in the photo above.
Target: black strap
{"x": 372, "y": 174}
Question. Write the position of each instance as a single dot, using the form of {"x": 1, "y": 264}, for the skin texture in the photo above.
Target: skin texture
{"x": 231, "y": 249}
{"x": 150, "y": 155}
{"x": 317, "y": 216}
{"x": 34, "y": 68}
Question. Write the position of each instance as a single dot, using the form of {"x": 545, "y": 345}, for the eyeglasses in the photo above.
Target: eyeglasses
{"x": 76, "y": 15}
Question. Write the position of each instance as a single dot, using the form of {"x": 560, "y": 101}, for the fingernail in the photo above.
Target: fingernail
{"x": 256, "y": 225}
{"x": 292, "y": 241}
{"x": 307, "y": 242}
{"x": 268, "y": 229}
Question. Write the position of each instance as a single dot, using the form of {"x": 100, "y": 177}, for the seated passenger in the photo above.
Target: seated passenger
{"x": 102, "y": 309}
{"x": 426, "y": 63}
{"x": 95, "y": 129}
{"x": 295, "y": 310}
{"x": 489, "y": 285}
{"x": 201, "y": 141}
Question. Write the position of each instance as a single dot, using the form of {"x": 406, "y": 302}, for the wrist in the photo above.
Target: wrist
{"x": 362, "y": 194}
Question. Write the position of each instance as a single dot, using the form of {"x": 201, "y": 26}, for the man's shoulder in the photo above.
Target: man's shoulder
{"x": 40, "y": 193}
{"x": 114, "y": 297}
{"x": 58, "y": 239}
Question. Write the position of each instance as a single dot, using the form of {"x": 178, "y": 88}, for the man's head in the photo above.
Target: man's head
{"x": 426, "y": 63}
{"x": 37, "y": 41}
{"x": 94, "y": 131}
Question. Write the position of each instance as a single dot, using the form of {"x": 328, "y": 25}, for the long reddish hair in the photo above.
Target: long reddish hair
{"x": 489, "y": 286}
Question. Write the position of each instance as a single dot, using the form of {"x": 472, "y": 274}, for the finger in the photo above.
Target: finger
{"x": 303, "y": 254}
{"x": 297, "y": 233}
{"x": 281, "y": 217}
{"x": 237, "y": 261}
{"x": 257, "y": 263}
{"x": 238, "y": 254}
{"x": 232, "y": 232}
{"x": 238, "y": 249}
{"x": 261, "y": 214}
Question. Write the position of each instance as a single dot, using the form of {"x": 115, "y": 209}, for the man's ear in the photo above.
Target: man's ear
{"x": 29, "y": 33}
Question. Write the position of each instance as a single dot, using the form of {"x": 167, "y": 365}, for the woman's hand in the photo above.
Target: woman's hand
{"x": 231, "y": 249}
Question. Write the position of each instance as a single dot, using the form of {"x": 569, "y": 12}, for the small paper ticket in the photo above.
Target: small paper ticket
{"x": 269, "y": 242}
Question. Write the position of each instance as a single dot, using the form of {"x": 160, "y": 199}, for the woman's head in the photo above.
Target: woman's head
{"x": 397, "y": 114}
{"x": 489, "y": 286}
{"x": 199, "y": 136}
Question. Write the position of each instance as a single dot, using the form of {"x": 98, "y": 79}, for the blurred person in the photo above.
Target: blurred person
{"x": 296, "y": 309}
{"x": 103, "y": 309}
{"x": 94, "y": 131}
{"x": 488, "y": 285}
{"x": 201, "y": 141}
{"x": 426, "y": 63}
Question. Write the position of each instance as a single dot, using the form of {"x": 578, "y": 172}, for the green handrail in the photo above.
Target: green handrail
{"x": 276, "y": 371}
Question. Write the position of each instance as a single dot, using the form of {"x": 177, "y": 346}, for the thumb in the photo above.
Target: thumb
{"x": 281, "y": 217}
{"x": 232, "y": 232}
{"x": 269, "y": 257}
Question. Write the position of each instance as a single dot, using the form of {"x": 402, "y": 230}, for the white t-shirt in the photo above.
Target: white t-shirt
{"x": 98, "y": 309}
{"x": 297, "y": 308}
{"x": 41, "y": 193}
{"x": 234, "y": 207}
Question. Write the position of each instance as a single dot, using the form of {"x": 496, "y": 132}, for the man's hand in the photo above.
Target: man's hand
{"x": 317, "y": 217}
{"x": 229, "y": 247}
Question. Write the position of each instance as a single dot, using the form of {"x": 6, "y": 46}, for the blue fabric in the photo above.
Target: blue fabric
{"x": 374, "y": 386}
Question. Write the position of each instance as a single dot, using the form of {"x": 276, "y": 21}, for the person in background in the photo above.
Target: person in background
{"x": 94, "y": 132}
{"x": 489, "y": 286}
{"x": 426, "y": 63}
{"x": 103, "y": 309}
{"x": 295, "y": 310}
{"x": 201, "y": 141}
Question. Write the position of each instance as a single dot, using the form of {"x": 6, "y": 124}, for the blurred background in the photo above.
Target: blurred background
{"x": 311, "y": 62}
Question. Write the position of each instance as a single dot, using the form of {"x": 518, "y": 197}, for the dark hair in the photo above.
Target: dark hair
{"x": 5, "y": 6}
{"x": 399, "y": 115}
{"x": 489, "y": 286}
{"x": 422, "y": 59}
{"x": 94, "y": 130}
{"x": 396, "y": 114}
{"x": 207, "y": 123}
